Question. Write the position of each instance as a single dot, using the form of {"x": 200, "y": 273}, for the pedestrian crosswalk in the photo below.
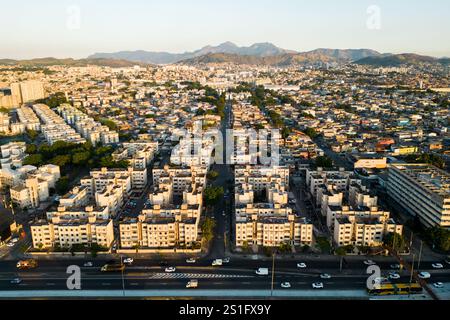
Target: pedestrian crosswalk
{"x": 195, "y": 276}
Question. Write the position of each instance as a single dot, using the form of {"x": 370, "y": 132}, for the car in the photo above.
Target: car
{"x": 170, "y": 269}
{"x": 317, "y": 285}
{"x": 217, "y": 262}
{"x": 285, "y": 285}
{"x": 438, "y": 285}
{"x": 192, "y": 284}
{"x": 395, "y": 266}
{"x": 15, "y": 240}
{"x": 16, "y": 281}
{"x": 191, "y": 260}
{"x": 424, "y": 275}
{"x": 394, "y": 276}
{"x": 447, "y": 261}
{"x": 10, "y": 244}
{"x": 128, "y": 260}
{"x": 88, "y": 264}
{"x": 380, "y": 280}
{"x": 437, "y": 265}
{"x": 325, "y": 276}
{"x": 301, "y": 265}
{"x": 226, "y": 260}
{"x": 369, "y": 263}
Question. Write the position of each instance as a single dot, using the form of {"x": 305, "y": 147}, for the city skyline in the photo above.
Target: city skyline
{"x": 78, "y": 29}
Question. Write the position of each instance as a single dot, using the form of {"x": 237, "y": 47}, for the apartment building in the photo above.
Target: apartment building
{"x": 272, "y": 222}
{"x": 364, "y": 227}
{"x": 75, "y": 226}
{"x": 28, "y": 91}
{"x": 139, "y": 153}
{"x": 172, "y": 217}
{"x": 28, "y": 118}
{"x": 87, "y": 127}
{"x": 30, "y": 185}
{"x": 54, "y": 127}
{"x": 423, "y": 191}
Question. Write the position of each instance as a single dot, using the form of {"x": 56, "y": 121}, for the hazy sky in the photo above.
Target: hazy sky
{"x": 30, "y": 28}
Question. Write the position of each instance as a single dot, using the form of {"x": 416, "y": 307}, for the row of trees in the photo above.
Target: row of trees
{"x": 426, "y": 158}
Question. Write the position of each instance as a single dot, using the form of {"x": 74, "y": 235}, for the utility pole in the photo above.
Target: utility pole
{"x": 123, "y": 279}
{"x": 273, "y": 274}
{"x": 420, "y": 255}
{"x": 412, "y": 273}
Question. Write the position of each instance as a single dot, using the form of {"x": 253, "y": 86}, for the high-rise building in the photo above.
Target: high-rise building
{"x": 28, "y": 91}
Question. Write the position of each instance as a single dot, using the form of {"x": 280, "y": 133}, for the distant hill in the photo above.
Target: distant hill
{"x": 396, "y": 60}
{"x": 285, "y": 59}
{"x": 46, "y": 62}
{"x": 257, "y": 49}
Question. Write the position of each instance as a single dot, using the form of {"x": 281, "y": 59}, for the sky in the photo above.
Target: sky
{"x": 78, "y": 28}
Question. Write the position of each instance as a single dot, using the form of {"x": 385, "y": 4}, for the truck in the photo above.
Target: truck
{"x": 27, "y": 264}
{"x": 113, "y": 268}
{"x": 262, "y": 271}
{"x": 192, "y": 284}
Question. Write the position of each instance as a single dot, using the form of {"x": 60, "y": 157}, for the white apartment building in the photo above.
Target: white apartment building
{"x": 31, "y": 185}
{"x": 67, "y": 227}
{"x": 367, "y": 227}
{"x": 54, "y": 128}
{"x": 89, "y": 129}
{"x": 423, "y": 191}
{"x": 28, "y": 118}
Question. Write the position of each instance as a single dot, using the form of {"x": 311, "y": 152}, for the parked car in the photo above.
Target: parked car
{"x": 424, "y": 275}
{"x": 170, "y": 269}
{"x": 301, "y": 265}
{"x": 317, "y": 285}
{"x": 285, "y": 285}
{"x": 437, "y": 265}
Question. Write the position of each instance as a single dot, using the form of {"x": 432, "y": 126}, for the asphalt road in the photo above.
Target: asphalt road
{"x": 148, "y": 274}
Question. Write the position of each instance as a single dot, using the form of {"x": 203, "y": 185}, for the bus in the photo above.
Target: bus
{"x": 395, "y": 289}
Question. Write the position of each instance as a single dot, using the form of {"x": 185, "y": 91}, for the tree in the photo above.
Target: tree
{"x": 32, "y": 134}
{"x": 310, "y": 132}
{"x": 395, "y": 241}
{"x": 61, "y": 160}
{"x": 34, "y": 160}
{"x": 81, "y": 158}
{"x": 62, "y": 185}
{"x": 207, "y": 228}
{"x": 212, "y": 175}
{"x": 439, "y": 237}
{"x": 213, "y": 195}
{"x": 324, "y": 162}
{"x": 31, "y": 149}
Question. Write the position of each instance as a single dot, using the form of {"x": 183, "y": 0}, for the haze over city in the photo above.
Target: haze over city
{"x": 77, "y": 29}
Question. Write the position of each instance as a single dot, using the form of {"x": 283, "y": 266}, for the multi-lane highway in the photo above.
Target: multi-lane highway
{"x": 238, "y": 274}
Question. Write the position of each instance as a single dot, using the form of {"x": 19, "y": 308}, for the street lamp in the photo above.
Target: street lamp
{"x": 273, "y": 274}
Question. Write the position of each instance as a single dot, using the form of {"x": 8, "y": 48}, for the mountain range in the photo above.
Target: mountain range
{"x": 46, "y": 62}
{"x": 230, "y": 51}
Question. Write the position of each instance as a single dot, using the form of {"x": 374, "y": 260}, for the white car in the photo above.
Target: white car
{"x": 395, "y": 266}
{"x": 301, "y": 265}
{"x": 285, "y": 285}
{"x": 15, "y": 240}
{"x": 226, "y": 260}
{"x": 128, "y": 260}
{"x": 325, "y": 276}
{"x": 16, "y": 281}
{"x": 191, "y": 260}
{"x": 317, "y": 285}
{"x": 10, "y": 244}
{"x": 88, "y": 264}
{"x": 394, "y": 275}
{"x": 437, "y": 265}
{"x": 369, "y": 262}
{"x": 171, "y": 269}
{"x": 438, "y": 285}
{"x": 424, "y": 275}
